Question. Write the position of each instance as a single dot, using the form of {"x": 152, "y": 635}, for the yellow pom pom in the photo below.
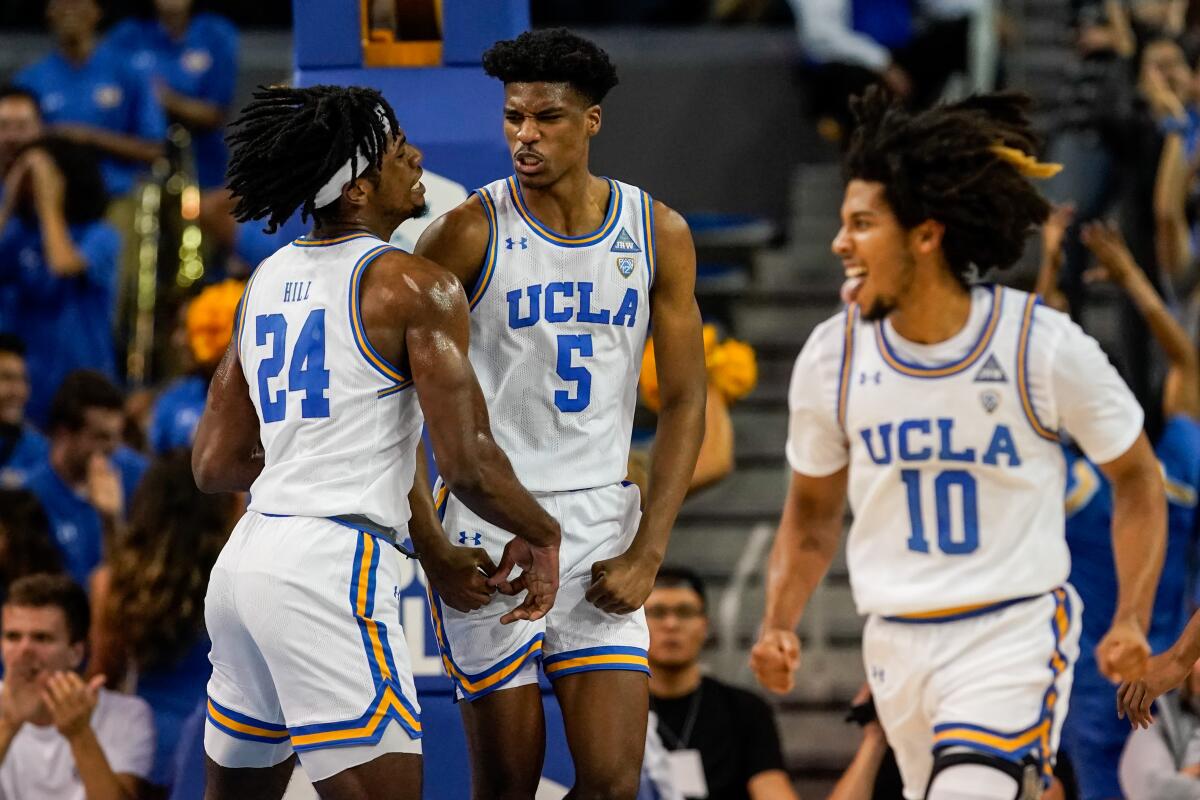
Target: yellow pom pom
{"x": 711, "y": 340}
{"x": 648, "y": 381}
{"x": 733, "y": 370}
{"x": 210, "y": 318}
{"x": 1026, "y": 164}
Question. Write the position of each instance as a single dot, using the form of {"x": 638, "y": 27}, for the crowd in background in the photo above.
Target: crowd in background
{"x": 95, "y": 483}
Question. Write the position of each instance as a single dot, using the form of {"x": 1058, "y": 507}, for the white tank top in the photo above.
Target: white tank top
{"x": 955, "y": 483}
{"x": 558, "y": 326}
{"x": 339, "y": 423}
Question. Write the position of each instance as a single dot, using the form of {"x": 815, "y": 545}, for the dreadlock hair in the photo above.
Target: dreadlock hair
{"x": 939, "y": 165}
{"x": 287, "y": 143}
{"x": 553, "y": 56}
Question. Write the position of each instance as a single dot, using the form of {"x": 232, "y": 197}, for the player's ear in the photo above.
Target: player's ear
{"x": 357, "y": 191}
{"x": 591, "y": 119}
{"x": 926, "y": 238}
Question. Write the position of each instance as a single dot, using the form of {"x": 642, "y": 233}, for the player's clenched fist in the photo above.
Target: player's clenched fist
{"x": 775, "y": 659}
{"x": 1123, "y": 652}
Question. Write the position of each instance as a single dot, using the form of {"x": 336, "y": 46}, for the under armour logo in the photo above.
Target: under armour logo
{"x": 508, "y": 243}
{"x": 863, "y": 377}
{"x": 475, "y": 538}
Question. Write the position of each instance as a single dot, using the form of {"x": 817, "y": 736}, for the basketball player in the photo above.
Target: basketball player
{"x": 936, "y": 403}
{"x": 340, "y": 343}
{"x": 566, "y": 272}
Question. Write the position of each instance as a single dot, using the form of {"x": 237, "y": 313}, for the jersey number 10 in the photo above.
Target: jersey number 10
{"x": 306, "y": 368}
{"x": 945, "y": 481}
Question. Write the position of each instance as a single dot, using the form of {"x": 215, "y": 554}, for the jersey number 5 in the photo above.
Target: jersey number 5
{"x": 567, "y": 347}
{"x": 306, "y": 368}
{"x": 945, "y": 481}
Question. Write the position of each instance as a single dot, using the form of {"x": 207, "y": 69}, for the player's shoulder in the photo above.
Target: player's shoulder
{"x": 831, "y": 332}
{"x": 413, "y": 276}
{"x": 468, "y": 221}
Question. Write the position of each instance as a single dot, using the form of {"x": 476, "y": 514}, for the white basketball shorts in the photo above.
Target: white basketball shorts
{"x": 480, "y": 655}
{"x": 993, "y": 679}
{"x": 308, "y": 654}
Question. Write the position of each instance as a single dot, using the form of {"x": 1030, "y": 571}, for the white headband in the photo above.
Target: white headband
{"x": 332, "y": 189}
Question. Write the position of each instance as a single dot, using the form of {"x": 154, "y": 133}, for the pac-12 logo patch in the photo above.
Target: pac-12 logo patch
{"x": 625, "y": 265}
{"x": 990, "y": 400}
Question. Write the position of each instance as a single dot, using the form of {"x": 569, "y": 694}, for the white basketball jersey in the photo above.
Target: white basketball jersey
{"x": 339, "y": 424}
{"x": 558, "y": 326}
{"x": 955, "y": 483}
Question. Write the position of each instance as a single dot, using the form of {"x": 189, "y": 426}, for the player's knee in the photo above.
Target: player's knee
{"x": 968, "y": 775}
{"x": 621, "y": 785}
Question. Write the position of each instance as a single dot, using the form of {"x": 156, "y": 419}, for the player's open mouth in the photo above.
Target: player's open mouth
{"x": 528, "y": 162}
{"x": 855, "y": 278}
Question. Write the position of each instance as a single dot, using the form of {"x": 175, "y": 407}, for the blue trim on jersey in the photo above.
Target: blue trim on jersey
{"x": 490, "y": 255}
{"x": 304, "y": 241}
{"x": 470, "y": 686}
{"x": 364, "y": 632}
{"x": 543, "y": 232}
{"x": 359, "y": 331}
{"x": 591, "y": 659}
{"x": 1044, "y": 431}
{"x": 244, "y": 727}
{"x": 953, "y": 368}
{"x": 934, "y": 618}
{"x": 389, "y": 704}
{"x": 648, "y": 226}
{"x": 242, "y": 308}
{"x": 441, "y": 498}
{"x": 843, "y": 395}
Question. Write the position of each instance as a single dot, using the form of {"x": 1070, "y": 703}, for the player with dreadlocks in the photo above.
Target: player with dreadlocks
{"x": 566, "y": 272}
{"x": 341, "y": 342}
{"x": 936, "y": 402}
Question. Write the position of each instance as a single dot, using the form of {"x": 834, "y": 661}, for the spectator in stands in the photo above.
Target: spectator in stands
{"x": 148, "y": 600}
{"x": 22, "y": 447}
{"x": 91, "y": 95}
{"x": 61, "y": 738}
{"x": 1092, "y": 734}
{"x": 723, "y": 740}
{"x": 60, "y": 258}
{"x": 873, "y": 772}
{"x": 26, "y": 542}
{"x": 207, "y": 327}
{"x": 912, "y": 47}
{"x": 82, "y": 485}
{"x": 192, "y": 59}
{"x": 1162, "y": 762}
{"x": 20, "y": 123}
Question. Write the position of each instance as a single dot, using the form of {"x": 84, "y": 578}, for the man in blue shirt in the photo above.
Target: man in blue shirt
{"x": 1093, "y": 736}
{"x": 193, "y": 62}
{"x": 59, "y": 258}
{"x": 20, "y": 123}
{"x": 21, "y": 446}
{"x": 78, "y": 485}
{"x": 93, "y": 96}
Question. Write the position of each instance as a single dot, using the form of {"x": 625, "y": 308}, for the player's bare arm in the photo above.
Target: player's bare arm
{"x": 1181, "y": 389}
{"x": 433, "y": 343}
{"x": 621, "y": 585}
{"x": 227, "y": 455}
{"x": 1139, "y": 542}
{"x": 805, "y": 545}
{"x": 1164, "y": 672}
{"x": 458, "y": 241}
{"x": 457, "y": 574}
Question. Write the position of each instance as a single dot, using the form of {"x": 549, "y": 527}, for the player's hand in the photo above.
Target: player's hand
{"x": 459, "y": 576}
{"x": 1115, "y": 262}
{"x": 775, "y": 658}
{"x": 104, "y": 487}
{"x": 71, "y": 701}
{"x": 538, "y": 578}
{"x": 1123, "y": 652}
{"x": 1135, "y": 698}
{"x": 621, "y": 585}
{"x": 1054, "y": 229}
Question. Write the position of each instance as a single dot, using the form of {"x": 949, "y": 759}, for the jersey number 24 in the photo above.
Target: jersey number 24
{"x": 305, "y": 369}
